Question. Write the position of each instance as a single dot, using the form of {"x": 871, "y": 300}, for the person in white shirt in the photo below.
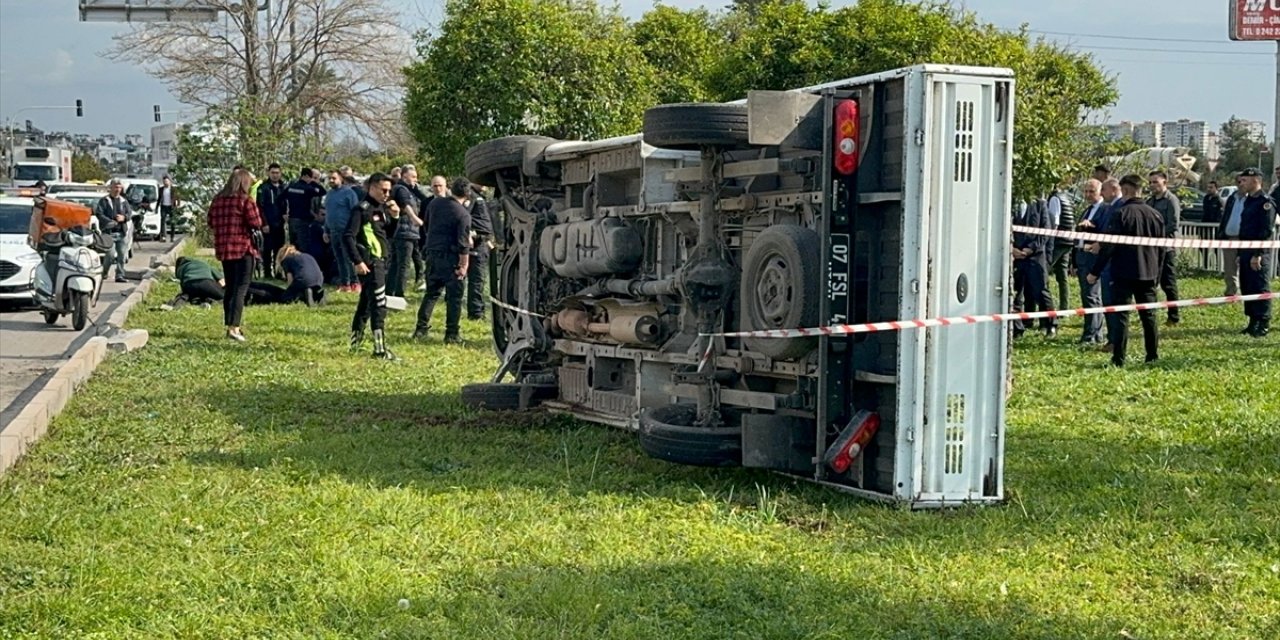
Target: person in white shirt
{"x": 168, "y": 203}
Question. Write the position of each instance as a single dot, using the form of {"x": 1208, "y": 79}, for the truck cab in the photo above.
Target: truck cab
{"x": 694, "y": 283}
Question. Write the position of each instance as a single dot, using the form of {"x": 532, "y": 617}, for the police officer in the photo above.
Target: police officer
{"x": 481, "y": 232}
{"x": 366, "y": 240}
{"x": 302, "y": 200}
{"x": 448, "y": 257}
{"x": 1254, "y": 212}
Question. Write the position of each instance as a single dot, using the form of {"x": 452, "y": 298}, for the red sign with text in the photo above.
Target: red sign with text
{"x": 1255, "y": 20}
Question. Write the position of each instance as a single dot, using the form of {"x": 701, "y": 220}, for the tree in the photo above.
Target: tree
{"x": 311, "y": 64}
{"x": 565, "y": 69}
{"x": 787, "y": 44}
{"x": 683, "y": 47}
{"x": 86, "y": 167}
{"x": 1240, "y": 150}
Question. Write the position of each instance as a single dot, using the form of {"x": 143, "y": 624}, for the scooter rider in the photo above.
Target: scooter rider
{"x": 113, "y": 213}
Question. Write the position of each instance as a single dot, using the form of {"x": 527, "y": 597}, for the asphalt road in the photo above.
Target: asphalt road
{"x": 31, "y": 350}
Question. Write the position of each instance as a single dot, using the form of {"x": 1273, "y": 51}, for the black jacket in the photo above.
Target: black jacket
{"x": 1129, "y": 262}
{"x": 1257, "y": 222}
{"x": 1036, "y": 216}
{"x": 271, "y": 202}
{"x": 366, "y": 233}
{"x": 1212, "y": 207}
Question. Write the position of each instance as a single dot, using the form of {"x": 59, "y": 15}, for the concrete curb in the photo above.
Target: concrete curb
{"x": 33, "y": 421}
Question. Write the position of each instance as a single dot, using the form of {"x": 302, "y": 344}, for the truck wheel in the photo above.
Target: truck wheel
{"x": 780, "y": 289}
{"x": 486, "y": 159}
{"x": 691, "y": 125}
{"x": 668, "y": 433}
{"x": 514, "y": 396}
{"x": 79, "y": 310}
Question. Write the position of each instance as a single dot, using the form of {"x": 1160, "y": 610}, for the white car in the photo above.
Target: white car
{"x": 144, "y": 195}
{"x": 18, "y": 260}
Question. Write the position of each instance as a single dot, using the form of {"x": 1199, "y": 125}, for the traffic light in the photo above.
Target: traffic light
{"x": 79, "y": 108}
{"x": 156, "y": 110}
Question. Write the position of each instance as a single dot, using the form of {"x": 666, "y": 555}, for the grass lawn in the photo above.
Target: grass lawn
{"x": 288, "y": 489}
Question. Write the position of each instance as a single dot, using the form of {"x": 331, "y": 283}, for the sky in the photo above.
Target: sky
{"x": 49, "y": 57}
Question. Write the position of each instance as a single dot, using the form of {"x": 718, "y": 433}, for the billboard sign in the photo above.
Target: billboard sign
{"x": 1254, "y": 20}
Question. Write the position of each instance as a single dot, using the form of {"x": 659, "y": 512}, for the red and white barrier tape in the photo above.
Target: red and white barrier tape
{"x": 514, "y": 308}
{"x": 1172, "y": 243}
{"x": 901, "y": 325}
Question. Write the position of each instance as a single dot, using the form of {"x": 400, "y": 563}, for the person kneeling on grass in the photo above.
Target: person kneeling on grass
{"x": 201, "y": 282}
{"x": 303, "y": 276}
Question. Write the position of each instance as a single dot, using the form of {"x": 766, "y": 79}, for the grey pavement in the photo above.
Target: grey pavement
{"x": 30, "y": 350}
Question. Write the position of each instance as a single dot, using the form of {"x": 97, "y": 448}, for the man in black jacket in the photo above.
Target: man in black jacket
{"x": 271, "y": 204}
{"x": 1213, "y": 204}
{"x": 477, "y": 268}
{"x": 366, "y": 241}
{"x": 1134, "y": 269}
{"x": 1166, "y": 203}
{"x": 448, "y": 255}
{"x": 1257, "y": 215}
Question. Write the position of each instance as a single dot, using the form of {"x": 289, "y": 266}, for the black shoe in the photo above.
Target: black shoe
{"x": 420, "y": 334}
{"x": 476, "y": 318}
{"x": 1151, "y": 359}
{"x": 357, "y": 339}
{"x": 1248, "y": 331}
{"x": 380, "y": 350}
{"x": 453, "y": 339}
{"x": 1261, "y": 328}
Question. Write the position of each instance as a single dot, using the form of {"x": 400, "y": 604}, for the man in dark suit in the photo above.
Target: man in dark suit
{"x": 1031, "y": 266}
{"x": 1135, "y": 270}
{"x": 1091, "y": 210}
{"x": 1111, "y": 200}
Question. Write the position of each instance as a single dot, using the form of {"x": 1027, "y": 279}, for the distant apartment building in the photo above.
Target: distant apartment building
{"x": 1257, "y": 130}
{"x": 1186, "y": 133}
{"x": 1121, "y": 131}
{"x": 1148, "y": 134}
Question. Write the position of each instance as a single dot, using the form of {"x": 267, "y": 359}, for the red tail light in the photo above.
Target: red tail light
{"x": 850, "y": 443}
{"x": 846, "y": 142}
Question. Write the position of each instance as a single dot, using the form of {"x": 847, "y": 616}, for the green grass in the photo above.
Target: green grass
{"x": 201, "y": 489}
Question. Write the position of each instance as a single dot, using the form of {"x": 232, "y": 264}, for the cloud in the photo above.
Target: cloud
{"x": 60, "y": 66}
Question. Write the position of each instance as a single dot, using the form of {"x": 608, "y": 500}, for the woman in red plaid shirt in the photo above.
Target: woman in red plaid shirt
{"x": 232, "y": 215}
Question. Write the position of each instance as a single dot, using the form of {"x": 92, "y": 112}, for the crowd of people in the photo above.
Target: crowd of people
{"x": 378, "y": 239}
{"x": 1120, "y": 274}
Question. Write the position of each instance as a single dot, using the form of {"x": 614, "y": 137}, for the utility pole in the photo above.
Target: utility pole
{"x": 1275, "y": 124}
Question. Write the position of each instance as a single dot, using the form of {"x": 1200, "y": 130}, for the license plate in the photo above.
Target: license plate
{"x": 838, "y": 278}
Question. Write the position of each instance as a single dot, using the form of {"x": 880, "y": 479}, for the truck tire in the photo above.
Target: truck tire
{"x": 668, "y": 433}
{"x": 780, "y": 289}
{"x": 514, "y": 396}
{"x": 691, "y": 125}
{"x": 491, "y": 156}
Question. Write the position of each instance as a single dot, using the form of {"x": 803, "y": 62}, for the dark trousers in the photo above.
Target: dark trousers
{"x": 1112, "y": 320}
{"x": 1252, "y": 282}
{"x": 419, "y": 264}
{"x": 272, "y": 243}
{"x": 1128, "y": 291}
{"x": 477, "y": 271}
{"x": 1060, "y": 267}
{"x": 1032, "y": 285}
{"x": 372, "y": 308}
{"x": 204, "y": 290}
{"x": 237, "y": 273}
{"x": 299, "y": 232}
{"x": 401, "y": 259}
{"x": 1169, "y": 281}
{"x": 441, "y": 277}
{"x": 1090, "y": 296}
{"x": 166, "y": 221}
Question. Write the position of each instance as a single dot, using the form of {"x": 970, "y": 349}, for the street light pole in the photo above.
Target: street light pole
{"x": 1275, "y": 124}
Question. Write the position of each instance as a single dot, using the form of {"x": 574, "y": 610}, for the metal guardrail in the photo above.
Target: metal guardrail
{"x": 1209, "y": 259}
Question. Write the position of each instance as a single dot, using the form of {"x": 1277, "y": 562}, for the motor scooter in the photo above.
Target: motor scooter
{"x": 69, "y": 277}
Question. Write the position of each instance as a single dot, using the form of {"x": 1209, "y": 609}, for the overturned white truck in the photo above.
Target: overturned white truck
{"x": 622, "y": 263}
